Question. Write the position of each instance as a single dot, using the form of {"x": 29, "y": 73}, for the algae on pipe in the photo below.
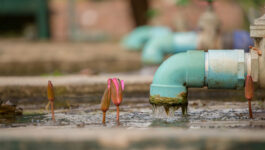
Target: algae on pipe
{"x": 182, "y": 70}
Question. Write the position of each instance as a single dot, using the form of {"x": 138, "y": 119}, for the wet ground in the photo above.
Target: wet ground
{"x": 137, "y": 113}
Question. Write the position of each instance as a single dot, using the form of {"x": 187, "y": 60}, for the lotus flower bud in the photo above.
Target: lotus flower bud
{"x": 116, "y": 87}
{"x": 249, "y": 88}
{"x": 105, "y": 100}
{"x": 50, "y": 92}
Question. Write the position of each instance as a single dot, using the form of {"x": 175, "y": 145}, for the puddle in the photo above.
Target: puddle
{"x": 139, "y": 114}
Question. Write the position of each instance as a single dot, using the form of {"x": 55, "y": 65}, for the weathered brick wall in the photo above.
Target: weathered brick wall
{"x": 112, "y": 17}
{"x": 58, "y": 20}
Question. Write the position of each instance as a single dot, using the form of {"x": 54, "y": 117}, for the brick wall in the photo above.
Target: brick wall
{"x": 112, "y": 17}
{"x": 58, "y": 20}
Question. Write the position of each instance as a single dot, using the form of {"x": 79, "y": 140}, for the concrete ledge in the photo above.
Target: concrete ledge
{"x": 81, "y": 88}
{"x": 33, "y": 89}
{"x": 154, "y": 138}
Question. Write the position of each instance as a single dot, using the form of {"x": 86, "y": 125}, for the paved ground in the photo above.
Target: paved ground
{"x": 37, "y": 58}
{"x": 154, "y": 138}
{"x": 206, "y": 128}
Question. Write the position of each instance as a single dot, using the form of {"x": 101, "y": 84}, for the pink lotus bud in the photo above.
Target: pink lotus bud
{"x": 116, "y": 91}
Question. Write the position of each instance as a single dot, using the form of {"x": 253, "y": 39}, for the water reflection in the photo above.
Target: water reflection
{"x": 183, "y": 123}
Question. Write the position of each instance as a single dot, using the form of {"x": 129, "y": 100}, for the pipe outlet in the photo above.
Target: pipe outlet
{"x": 217, "y": 69}
{"x": 172, "y": 78}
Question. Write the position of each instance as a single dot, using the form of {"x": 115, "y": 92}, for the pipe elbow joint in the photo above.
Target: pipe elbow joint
{"x": 137, "y": 39}
{"x": 169, "y": 86}
{"x": 152, "y": 56}
{"x": 155, "y": 49}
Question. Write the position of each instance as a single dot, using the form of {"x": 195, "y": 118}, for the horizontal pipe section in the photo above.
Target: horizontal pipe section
{"x": 226, "y": 69}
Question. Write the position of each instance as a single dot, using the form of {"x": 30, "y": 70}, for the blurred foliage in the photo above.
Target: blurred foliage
{"x": 54, "y": 73}
{"x": 255, "y": 3}
{"x": 182, "y": 2}
{"x": 186, "y": 2}
{"x": 152, "y": 13}
{"x": 248, "y": 3}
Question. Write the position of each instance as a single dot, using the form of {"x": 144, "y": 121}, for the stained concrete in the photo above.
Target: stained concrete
{"x": 32, "y": 89}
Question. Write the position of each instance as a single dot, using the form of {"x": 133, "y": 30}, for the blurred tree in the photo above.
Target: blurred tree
{"x": 139, "y": 10}
{"x": 152, "y": 13}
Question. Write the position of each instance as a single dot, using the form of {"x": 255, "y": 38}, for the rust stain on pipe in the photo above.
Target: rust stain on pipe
{"x": 259, "y": 52}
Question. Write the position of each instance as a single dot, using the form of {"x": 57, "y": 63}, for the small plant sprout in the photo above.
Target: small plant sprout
{"x": 249, "y": 93}
{"x": 105, "y": 101}
{"x": 116, "y": 88}
{"x": 50, "y": 94}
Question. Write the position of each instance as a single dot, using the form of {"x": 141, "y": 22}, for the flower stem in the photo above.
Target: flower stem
{"x": 249, "y": 109}
{"x": 103, "y": 117}
{"x": 52, "y": 110}
{"x": 118, "y": 114}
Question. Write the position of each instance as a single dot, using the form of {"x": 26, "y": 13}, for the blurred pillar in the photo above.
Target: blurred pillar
{"x": 139, "y": 10}
{"x": 42, "y": 19}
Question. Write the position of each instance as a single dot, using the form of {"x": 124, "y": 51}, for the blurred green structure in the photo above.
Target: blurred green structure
{"x": 35, "y": 8}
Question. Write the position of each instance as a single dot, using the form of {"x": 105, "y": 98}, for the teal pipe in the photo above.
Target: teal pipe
{"x": 141, "y": 35}
{"x": 156, "y": 48}
{"x": 216, "y": 69}
{"x": 160, "y": 41}
{"x": 170, "y": 82}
